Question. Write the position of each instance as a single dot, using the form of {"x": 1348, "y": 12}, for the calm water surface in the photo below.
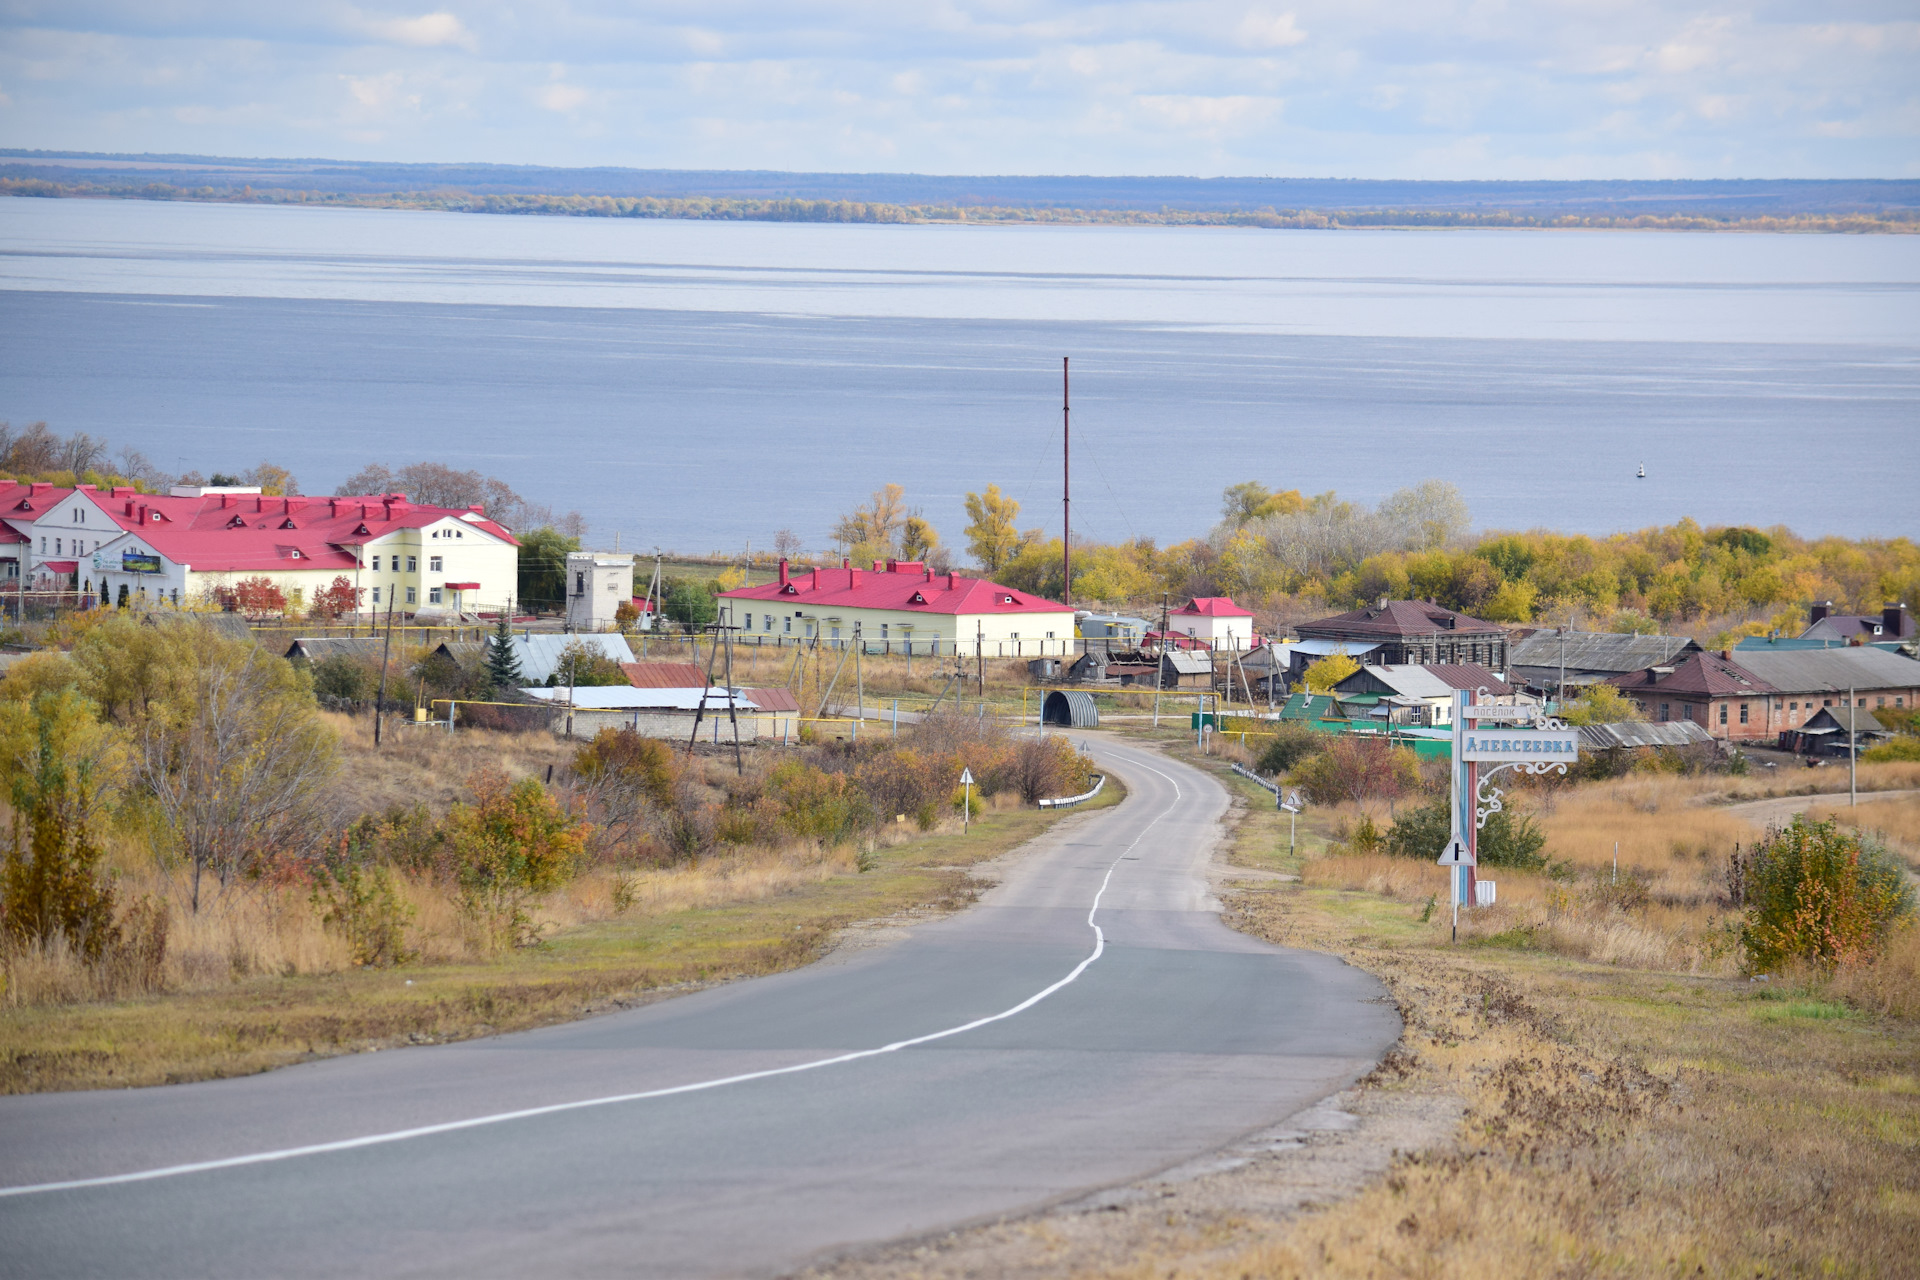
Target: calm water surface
{"x": 699, "y": 385}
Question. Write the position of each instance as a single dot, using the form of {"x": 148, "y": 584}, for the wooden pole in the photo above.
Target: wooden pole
{"x": 1066, "y": 483}
{"x": 380, "y": 698}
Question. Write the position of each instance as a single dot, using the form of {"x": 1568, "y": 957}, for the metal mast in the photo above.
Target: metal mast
{"x": 1066, "y": 476}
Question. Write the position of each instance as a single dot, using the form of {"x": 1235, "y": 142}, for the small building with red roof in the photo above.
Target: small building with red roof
{"x": 900, "y": 606}
{"x": 1214, "y": 621}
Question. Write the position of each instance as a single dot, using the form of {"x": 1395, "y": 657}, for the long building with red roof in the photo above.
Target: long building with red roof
{"x": 901, "y": 606}
{"x": 193, "y": 544}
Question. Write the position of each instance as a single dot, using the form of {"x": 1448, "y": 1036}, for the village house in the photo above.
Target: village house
{"x": 1412, "y": 632}
{"x": 1723, "y": 697}
{"x": 1893, "y": 622}
{"x": 900, "y": 606}
{"x": 1214, "y": 622}
{"x": 598, "y": 583}
{"x": 1420, "y": 696}
{"x": 1835, "y": 731}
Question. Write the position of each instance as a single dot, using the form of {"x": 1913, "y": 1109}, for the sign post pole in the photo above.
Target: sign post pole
{"x": 966, "y": 800}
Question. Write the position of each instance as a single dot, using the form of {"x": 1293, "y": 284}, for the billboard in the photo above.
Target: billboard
{"x": 139, "y": 562}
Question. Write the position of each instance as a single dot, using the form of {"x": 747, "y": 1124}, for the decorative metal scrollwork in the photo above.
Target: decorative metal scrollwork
{"x": 1487, "y": 798}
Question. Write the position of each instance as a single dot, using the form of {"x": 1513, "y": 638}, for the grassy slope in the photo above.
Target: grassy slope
{"x": 262, "y": 1022}
{"x": 1620, "y": 1121}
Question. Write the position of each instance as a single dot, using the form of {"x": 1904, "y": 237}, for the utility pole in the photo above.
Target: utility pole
{"x": 380, "y": 698}
{"x": 1563, "y": 669}
{"x": 1066, "y": 479}
{"x": 1853, "y": 747}
{"x": 979, "y": 660}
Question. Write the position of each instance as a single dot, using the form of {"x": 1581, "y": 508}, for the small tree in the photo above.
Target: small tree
{"x": 690, "y": 604}
{"x": 1292, "y": 743}
{"x": 1360, "y": 770}
{"x": 330, "y": 602}
{"x": 1323, "y": 675}
{"x": 1601, "y": 704}
{"x": 503, "y": 664}
{"x": 258, "y": 597}
{"x": 510, "y": 844}
{"x": 583, "y": 666}
{"x": 992, "y": 537}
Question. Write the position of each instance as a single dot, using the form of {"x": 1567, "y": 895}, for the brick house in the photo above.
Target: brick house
{"x": 1714, "y": 692}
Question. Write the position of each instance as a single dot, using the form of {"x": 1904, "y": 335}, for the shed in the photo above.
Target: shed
{"x": 1826, "y": 733}
{"x": 1186, "y": 670}
{"x": 314, "y": 648}
{"x": 1089, "y": 668}
{"x": 1071, "y": 709}
{"x": 1631, "y": 734}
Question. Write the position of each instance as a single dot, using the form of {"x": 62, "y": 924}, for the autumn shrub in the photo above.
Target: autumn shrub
{"x": 1358, "y": 769}
{"x": 341, "y": 678}
{"x": 1906, "y": 747}
{"x": 510, "y": 844}
{"x": 817, "y": 804}
{"x": 903, "y": 780}
{"x": 1049, "y": 768}
{"x": 1822, "y": 894}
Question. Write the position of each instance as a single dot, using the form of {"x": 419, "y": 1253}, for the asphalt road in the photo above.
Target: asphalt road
{"x": 1165, "y": 1034}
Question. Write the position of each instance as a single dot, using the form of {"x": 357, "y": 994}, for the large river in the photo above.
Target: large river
{"x": 702, "y": 385}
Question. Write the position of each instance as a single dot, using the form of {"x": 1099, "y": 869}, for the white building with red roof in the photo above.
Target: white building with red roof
{"x": 904, "y": 606}
{"x": 186, "y": 546}
{"x": 1215, "y": 621}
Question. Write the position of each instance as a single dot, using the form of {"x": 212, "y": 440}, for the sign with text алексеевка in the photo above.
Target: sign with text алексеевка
{"x": 139, "y": 562}
{"x": 1521, "y": 744}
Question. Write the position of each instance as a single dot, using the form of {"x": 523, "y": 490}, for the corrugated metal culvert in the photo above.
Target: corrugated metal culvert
{"x": 1070, "y": 708}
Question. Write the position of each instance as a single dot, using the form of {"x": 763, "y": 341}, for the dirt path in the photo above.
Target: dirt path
{"x": 1779, "y": 810}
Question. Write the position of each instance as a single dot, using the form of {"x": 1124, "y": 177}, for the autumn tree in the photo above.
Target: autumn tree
{"x": 258, "y": 597}
{"x": 235, "y": 756}
{"x": 992, "y": 538}
{"x": 876, "y": 528}
{"x": 330, "y": 602}
{"x": 1324, "y": 673}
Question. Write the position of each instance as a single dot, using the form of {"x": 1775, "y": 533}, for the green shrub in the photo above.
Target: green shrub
{"x": 1292, "y": 743}
{"x": 1820, "y": 893}
{"x": 359, "y": 902}
{"x": 819, "y": 805}
{"x": 512, "y": 843}
{"x": 344, "y": 678}
{"x": 1903, "y": 748}
{"x": 1506, "y": 840}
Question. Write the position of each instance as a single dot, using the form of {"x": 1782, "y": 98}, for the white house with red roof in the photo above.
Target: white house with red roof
{"x": 1215, "y": 621}
{"x": 185, "y": 546}
{"x": 904, "y": 606}
{"x": 21, "y": 506}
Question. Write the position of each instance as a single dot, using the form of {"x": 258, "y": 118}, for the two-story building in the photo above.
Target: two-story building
{"x": 900, "y": 606}
{"x": 1214, "y": 622}
{"x": 1413, "y": 632}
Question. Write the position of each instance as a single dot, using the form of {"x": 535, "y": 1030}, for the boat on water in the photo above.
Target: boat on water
{"x": 1643, "y": 472}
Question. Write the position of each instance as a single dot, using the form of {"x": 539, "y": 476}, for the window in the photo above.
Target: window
{"x": 43, "y": 544}
{"x": 376, "y": 565}
{"x": 789, "y": 627}
{"x": 433, "y": 595}
{"x": 767, "y": 623}
{"x": 613, "y": 584}
{"x": 1663, "y": 711}
{"x": 1686, "y": 712}
{"x": 579, "y": 584}
{"x": 1826, "y": 702}
{"x": 1723, "y": 713}
{"x": 56, "y": 546}
{"x": 410, "y": 595}
{"x": 376, "y": 595}
{"x": 433, "y": 564}
{"x": 413, "y": 564}
{"x": 1880, "y": 702}
{"x": 1793, "y": 706}
{"x": 883, "y": 631}
{"x": 1743, "y": 713}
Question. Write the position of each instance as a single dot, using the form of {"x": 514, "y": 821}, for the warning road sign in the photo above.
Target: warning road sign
{"x": 1456, "y": 854}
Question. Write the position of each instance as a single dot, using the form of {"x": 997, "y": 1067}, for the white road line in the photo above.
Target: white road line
{"x": 453, "y": 1126}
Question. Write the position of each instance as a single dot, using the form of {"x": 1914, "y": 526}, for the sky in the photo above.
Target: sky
{"x": 1450, "y": 89}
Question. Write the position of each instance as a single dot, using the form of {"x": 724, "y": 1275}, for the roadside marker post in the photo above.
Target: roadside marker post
{"x": 966, "y": 801}
{"x": 1289, "y": 801}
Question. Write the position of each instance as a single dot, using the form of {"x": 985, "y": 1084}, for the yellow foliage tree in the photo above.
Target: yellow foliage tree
{"x": 1329, "y": 671}
{"x": 992, "y": 538}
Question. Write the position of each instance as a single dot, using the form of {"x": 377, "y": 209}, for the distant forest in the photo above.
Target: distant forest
{"x": 1889, "y": 205}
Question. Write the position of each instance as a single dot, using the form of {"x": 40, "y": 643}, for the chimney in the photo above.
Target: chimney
{"x": 927, "y": 570}
{"x": 853, "y": 578}
{"x": 893, "y": 566}
{"x": 1893, "y": 621}
{"x": 878, "y": 569}
{"x": 333, "y": 507}
{"x": 952, "y": 583}
{"x": 783, "y": 571}
{"x": 815, "y": 584}
{"x": 1819, "y": 612}
{"x": 846, "y": 562}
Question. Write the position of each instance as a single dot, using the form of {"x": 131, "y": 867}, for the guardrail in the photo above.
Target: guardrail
{"x": 1255, "y": 778}
{"x": 1099, "y": 781}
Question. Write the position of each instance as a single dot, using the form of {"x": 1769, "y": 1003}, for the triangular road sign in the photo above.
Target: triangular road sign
{"x": 966, "y": 777}
{"x": 1455, "y": 855}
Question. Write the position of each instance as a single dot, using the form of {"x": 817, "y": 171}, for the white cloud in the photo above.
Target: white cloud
{"x": 1267, "y": 31}
{"x": 429, "y": 30}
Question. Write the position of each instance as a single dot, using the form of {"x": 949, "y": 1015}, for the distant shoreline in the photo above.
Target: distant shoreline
{"x": 730, "y": 209}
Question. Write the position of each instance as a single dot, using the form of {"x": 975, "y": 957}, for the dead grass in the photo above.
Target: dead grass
{"x": 418, "y": 765}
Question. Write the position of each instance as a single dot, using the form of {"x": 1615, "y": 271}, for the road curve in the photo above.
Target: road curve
{"x": 1162, "y": 1035}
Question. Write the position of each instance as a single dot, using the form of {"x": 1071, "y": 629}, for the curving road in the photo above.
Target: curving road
{"x": 1027, "y": 1050}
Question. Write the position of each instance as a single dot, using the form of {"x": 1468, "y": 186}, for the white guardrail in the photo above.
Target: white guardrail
{"x": 1099, "y": 781}
{"x": 1256, "y": 779}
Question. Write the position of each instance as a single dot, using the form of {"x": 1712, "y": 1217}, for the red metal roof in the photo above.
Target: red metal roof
{"x": 60, "y": 566}
{"x": 897, "y": 585}
{"x": 241, "y": 532}
{"x": 1398, "y": 618}
{"x": 664, "y": 675}
{"x": 773, "y": 699}
{"x": 28, "y": 501}
{"x": 1212, "y": 607}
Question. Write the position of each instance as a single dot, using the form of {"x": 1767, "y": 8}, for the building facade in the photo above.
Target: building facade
{"x": 1412, "y": 632}
{"x": 899, "y": 606}
{"x": 598, "y": 583}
